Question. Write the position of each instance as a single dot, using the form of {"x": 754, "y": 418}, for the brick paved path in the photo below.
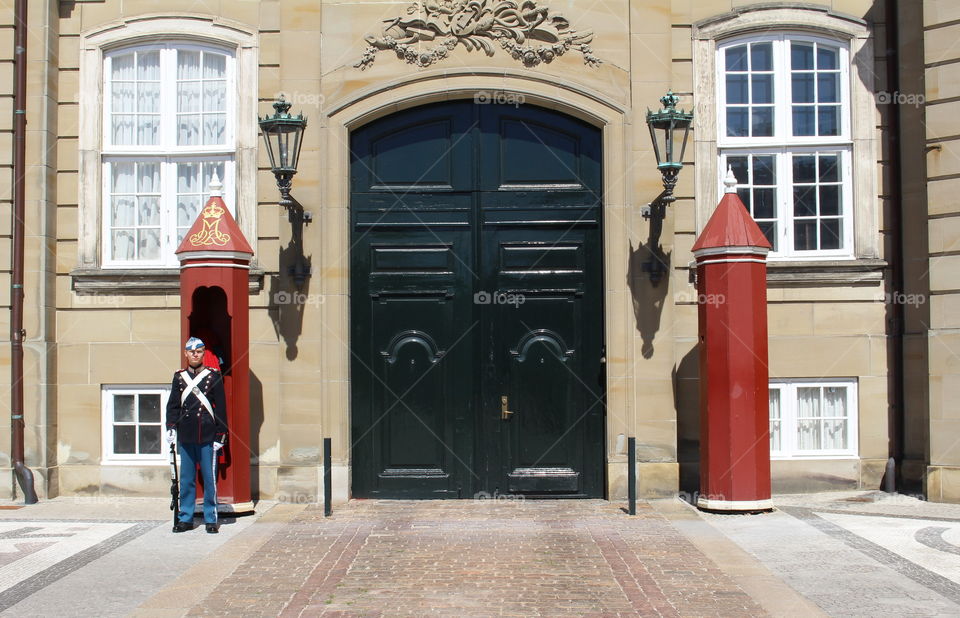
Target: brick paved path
{"x": 470, "y": 558}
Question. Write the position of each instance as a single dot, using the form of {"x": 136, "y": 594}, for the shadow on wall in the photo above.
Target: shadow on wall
{"x": 686, "y": 400}
{"x": 256, "y": 424}
{"x": 647, "y": 296}
{"x": 288, "y": 300}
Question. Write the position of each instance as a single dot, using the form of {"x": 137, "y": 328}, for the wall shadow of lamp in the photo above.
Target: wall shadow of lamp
{"x": 283, "y": 135}
{"x": 666, "y": 127}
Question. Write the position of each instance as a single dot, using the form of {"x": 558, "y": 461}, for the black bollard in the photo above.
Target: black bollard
{"x": 327, "y": 478}
{"x": 632, "y": 474}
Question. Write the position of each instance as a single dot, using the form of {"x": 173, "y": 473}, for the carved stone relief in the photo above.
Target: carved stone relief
{"x": 529, "y": 33}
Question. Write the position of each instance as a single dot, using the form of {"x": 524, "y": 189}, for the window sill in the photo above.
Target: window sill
{"x": 787, "y": 274}
{"x": 131, "y": 281}
{"x": 814, "y": 273}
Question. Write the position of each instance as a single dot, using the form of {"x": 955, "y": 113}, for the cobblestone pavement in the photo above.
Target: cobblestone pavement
{"x": 486, "y": 558}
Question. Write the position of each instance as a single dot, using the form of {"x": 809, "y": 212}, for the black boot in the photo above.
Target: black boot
{"x": 182, "y": 526}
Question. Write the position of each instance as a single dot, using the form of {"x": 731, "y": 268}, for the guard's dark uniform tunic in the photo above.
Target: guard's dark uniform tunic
{"x": 194, "y": 424}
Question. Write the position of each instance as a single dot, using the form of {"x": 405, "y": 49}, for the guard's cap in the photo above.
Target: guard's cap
{"x": 194, "y": 343}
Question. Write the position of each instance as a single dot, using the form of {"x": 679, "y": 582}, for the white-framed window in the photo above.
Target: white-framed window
{"x": 168, "y": 125}
{"x": 134, "y": 423}
{"x": 813, "y": 418}
{"x": 784, "y": 128}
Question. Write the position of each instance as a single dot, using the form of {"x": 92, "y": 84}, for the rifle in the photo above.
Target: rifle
{"x": 174, "y": 483}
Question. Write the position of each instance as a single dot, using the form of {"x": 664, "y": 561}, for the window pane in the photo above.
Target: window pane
{"x": 123, "y": 129}
{"x": 761, "y": 57}
{"x": 122, "y": 212}
{"x": 763, "y": 173}
{"x": 775, "y": 419}
{"x": 769, "y": 229}
{"x": 149, "y": 408}
{"x": 124, "y": 439}
{"x": 149, "y": 439}
{"x": 764, "y": 205}
{"x": 830, "y": 200}
{"x": 829, "y": 117}
{"x": 801, "y": 56}
{"x": 828, "y": 88}
{"x": 804, "y": 201}
{"x": 830, "y": 234}
{"x": 762, "y": 121}
{"x": 188, "y": 208}
{"x": 827, "y": 58}
{"x": 148, "y": 128}
{"x": 737, "y": 118}
{"x": 804, "y": 168}
{"x": 763, "y": 88}
{"x": 737, "y": 58}
{"x": 808, "y": 402}
{"x": 121, "y": 68}
{"x": 215, "y": 96}
{"x": 188, "y": 96}
{"x": 188, "y": 65}
{"x": 808, "y": 435}
{"x": 214, "y": 66}
{"x": 148, "y": 97}
{"x": 803, "y": 88}
{"x": 122, "y": 98}
{"x": 123, "y": 245}
{"x": 805, "y": 235}
{"x": 739, "y": 167}
{"x": 123, "y": 408}
{"x": 149, "y": 211}
{"x": 804, "y": 120}
{"x": 148, "y": 178}
{"x": 149, "y": 244}
{"x": 188, "y": 133}
{"x": 738, "y": 90}
{"x": 829, "y": 168}
{"x": 834, "y": 435}
{"x": 148, "y": 65}
{"x": 213, "y": 128}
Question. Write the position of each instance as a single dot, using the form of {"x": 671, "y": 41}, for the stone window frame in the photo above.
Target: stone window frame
{"x": 788, "y": 419}
{"x": 107, "y": 393}
{"x": 90, "y": 275}
{"x": 867, "y": 264}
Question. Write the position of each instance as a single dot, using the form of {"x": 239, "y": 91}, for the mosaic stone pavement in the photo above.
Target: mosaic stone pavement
{"x": 480, "y": 558}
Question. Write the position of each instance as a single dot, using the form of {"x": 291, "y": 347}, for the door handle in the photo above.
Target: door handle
{"x": 505, "y": 413}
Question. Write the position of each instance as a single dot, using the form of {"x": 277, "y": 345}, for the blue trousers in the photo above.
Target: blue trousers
{"x": 190, "y": 456}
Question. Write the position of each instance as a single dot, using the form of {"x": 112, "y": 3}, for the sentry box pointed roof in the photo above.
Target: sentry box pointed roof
{"x": 731, "y": 225}
{"x": 214, "y": 230}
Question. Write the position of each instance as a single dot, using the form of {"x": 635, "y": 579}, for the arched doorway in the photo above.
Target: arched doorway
{"x": 476, "y": 303}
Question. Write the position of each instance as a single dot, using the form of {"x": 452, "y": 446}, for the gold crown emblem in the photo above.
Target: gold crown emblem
{"x": 212, "y": 211}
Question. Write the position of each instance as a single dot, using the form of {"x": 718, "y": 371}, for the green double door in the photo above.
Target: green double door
{"x": 476, "y": 304}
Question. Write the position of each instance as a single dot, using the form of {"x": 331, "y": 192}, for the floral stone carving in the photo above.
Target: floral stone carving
{"x": 527, "y": 32}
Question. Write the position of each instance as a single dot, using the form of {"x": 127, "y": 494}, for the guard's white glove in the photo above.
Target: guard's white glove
{"x": 171, "y": 436}
{"x": 217, "y": 446}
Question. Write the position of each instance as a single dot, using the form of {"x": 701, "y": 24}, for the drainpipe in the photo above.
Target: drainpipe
{"x": 895, "y": 420}
{"x": 23, "y": 473}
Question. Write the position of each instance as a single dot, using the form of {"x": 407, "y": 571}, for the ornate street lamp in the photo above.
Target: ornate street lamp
{"x": 283, "y": 135}
{"x": 665, "y": 127}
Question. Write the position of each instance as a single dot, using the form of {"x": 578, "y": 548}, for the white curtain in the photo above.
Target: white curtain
{"x": 808, "y": 418}
{"x": 835, "y": 409}
{"x": 775, "y": 436}
{"x": 122, "y": 100}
